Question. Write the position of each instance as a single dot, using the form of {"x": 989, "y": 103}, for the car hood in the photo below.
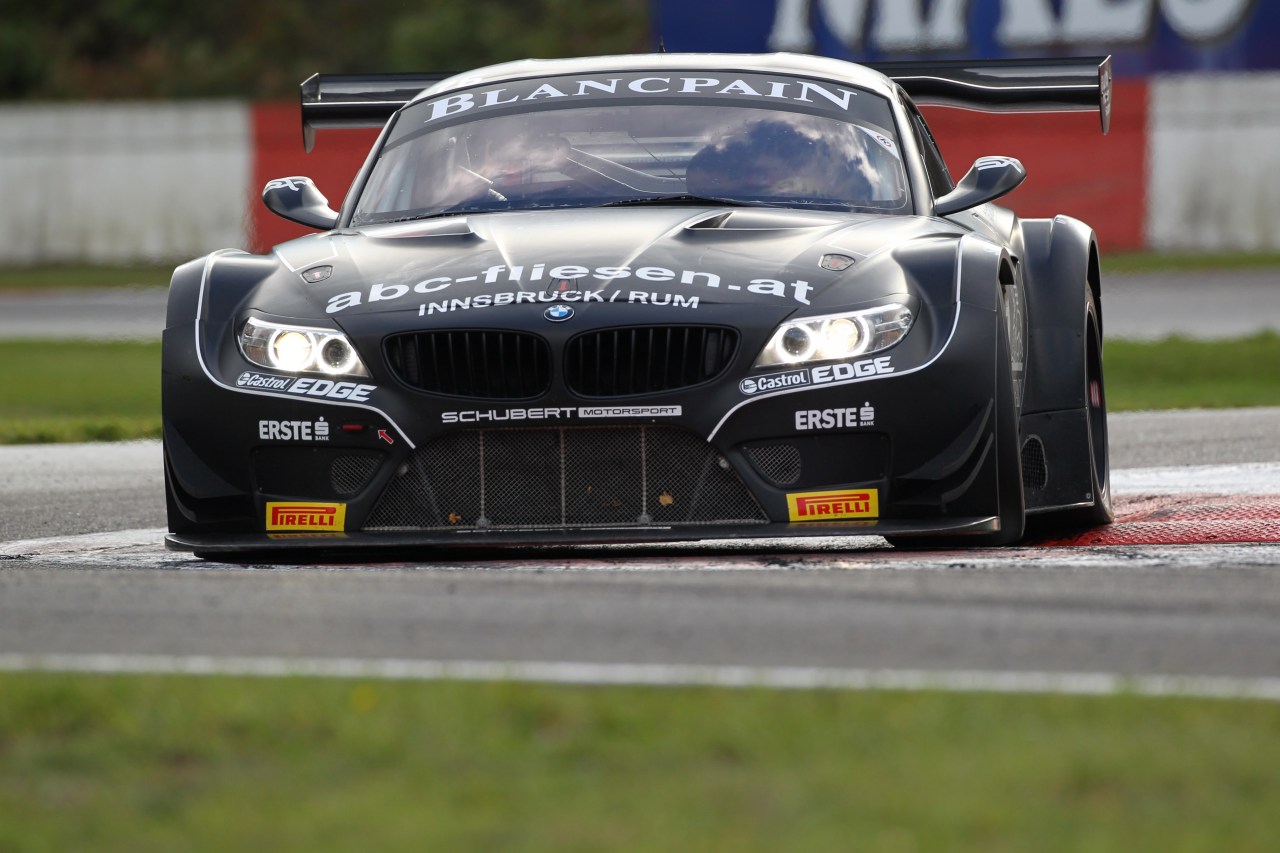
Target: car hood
{"x": 655, "y": 255}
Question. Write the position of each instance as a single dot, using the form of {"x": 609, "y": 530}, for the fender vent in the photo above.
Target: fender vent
{"x": 1035, "y": 470}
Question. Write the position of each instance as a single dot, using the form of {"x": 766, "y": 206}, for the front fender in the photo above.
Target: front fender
{"x": 1059, "y": 256}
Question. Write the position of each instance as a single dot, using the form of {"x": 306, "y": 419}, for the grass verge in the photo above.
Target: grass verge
{"x": 79, "y": 391}
{"x": 1123, "y": 263}
{"x": 218, "y": 763}
{"x": 1179, "y": 374}
{"x": 72, "y": 276}
{"x": 88, "y": 391}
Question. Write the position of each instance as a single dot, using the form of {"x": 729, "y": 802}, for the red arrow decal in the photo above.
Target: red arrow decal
{"x": 382, "y": 434}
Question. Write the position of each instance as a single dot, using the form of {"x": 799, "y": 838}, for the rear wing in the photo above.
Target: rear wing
{"x": 988, "y": 85}
{"x": 331, "y": 101}
{"x": 1080, "y": 84}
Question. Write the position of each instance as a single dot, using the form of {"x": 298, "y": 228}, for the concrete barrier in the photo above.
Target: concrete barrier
{"x": 1214, "y": 176}
{"x": 121, "y": 183}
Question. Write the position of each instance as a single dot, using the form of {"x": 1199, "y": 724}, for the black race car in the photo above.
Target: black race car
{"x": 647, "y": 298}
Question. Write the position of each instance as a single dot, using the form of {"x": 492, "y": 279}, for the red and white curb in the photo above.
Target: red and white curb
{"x": 1193, "y": 505}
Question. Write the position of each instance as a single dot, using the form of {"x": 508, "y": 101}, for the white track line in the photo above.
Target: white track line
{"x": 666, "y": 675}
{"x": 1251, "y": 478}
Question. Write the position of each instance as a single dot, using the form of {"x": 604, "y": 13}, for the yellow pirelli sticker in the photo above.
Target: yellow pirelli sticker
{"x": 832, "y": 506}
{"x": 311, "y": 515}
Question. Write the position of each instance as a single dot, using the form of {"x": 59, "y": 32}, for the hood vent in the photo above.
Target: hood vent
{"x": 453, "y": 226}
{"x": 760, "y": 219}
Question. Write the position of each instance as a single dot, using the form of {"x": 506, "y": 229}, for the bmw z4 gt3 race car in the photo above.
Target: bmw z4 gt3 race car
{"x": 647, "y": 298}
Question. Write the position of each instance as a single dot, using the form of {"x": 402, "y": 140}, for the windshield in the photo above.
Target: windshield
{"x": 637, "y": 153}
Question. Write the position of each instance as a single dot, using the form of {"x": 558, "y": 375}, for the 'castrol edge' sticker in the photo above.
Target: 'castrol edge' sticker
{"x": 308, "y": 386}
{"x": 823, "y": 374}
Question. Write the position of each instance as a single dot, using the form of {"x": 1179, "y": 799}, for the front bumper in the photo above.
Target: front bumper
{"x": 248, "y": 470}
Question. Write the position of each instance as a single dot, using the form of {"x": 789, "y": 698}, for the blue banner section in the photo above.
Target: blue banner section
{"x": 1144, "y": 36}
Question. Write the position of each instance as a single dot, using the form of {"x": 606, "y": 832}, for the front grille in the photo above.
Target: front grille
{"x": 564, "y": 477}
{"x": 495, "y": 365}
{"x": 646, "y": 360}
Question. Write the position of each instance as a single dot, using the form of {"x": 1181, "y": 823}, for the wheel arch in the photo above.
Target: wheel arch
{"x": 1061, "y": 260}
{"x": 1062, "y": 271}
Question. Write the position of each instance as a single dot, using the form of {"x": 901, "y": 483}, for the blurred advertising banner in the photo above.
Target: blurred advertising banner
{"x": 1144, "y": 36}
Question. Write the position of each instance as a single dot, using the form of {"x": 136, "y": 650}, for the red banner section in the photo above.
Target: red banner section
{"x": 278, "y": 153}
{"x": 1072, "y": 168}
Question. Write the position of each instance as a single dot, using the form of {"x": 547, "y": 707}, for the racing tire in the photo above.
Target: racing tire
{"x": 1011, "y": 498}
{"x": 1099, "y": 460}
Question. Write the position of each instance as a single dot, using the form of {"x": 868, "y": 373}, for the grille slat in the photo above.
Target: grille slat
{"x": 497, "y": 365}
{"x": 647, "y": 359}
{"x": 553, "y": 478}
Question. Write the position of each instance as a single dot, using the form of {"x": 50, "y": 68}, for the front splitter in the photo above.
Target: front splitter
{"x": 493, "y": 538}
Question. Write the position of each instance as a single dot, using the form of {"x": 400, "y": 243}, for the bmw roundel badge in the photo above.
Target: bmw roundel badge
{"x": 558, "y": 313}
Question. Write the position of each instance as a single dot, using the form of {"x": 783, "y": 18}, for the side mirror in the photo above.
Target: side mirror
{"x": 987, "y": 180}
{"x": 299, "y": 200}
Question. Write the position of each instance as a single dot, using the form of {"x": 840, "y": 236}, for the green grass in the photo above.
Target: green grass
{"x": 78, "y": 391}
{"x": 1179, "y": 374}
{"x": 1140, "y": 262}
{"x": 71, "y": 276}
{"x": 143, "y": 763}
{"x": 87, "y": 391}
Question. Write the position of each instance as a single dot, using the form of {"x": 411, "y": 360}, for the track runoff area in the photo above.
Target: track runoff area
{"x": 1192, "y": 517}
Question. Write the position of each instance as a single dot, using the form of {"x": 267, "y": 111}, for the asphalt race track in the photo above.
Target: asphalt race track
{"x": 1183, "y": 595}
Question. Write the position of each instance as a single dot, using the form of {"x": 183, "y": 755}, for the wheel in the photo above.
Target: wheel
{"x": 1011, "y": 503}
{"x": 1098, "y": 459}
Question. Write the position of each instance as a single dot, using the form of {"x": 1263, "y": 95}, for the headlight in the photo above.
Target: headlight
{"x": 836, "y": 336}
{"x": 300, "y": 349}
